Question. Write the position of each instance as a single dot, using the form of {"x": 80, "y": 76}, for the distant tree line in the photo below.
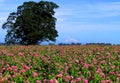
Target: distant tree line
{"x": 104, "y": 44}
{"x": 69, "y": 44}
{"x": 2, "y": 43}
{"x": 85, "y": 44}
{"x": 98, "y": 44}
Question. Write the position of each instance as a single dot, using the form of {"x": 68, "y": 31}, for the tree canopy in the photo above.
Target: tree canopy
{"x": 32, "y": 23}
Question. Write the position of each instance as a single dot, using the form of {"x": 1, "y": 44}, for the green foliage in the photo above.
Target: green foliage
{"x": 32, "y": 23}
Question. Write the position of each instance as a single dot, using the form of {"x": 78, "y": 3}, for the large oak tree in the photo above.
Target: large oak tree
{"x": 32, "y": 23}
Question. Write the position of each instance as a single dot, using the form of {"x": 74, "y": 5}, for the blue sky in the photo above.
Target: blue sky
{"x": 81, "y": 21}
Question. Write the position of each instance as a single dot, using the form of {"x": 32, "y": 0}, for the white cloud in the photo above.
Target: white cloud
{"x": 88, "y": 17}
{"x": 109, "y": 6}
{"x": 99, "y": 10}
{"x": 96, "y": 10}
{"x": 77, "y": 28}
{"x": 70, "y": 40}
{"x": 1, "y": 0}
{"x": 2, "y": 19}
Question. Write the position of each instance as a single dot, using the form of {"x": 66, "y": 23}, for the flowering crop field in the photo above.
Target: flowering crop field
{"x": 60, "y": 64}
